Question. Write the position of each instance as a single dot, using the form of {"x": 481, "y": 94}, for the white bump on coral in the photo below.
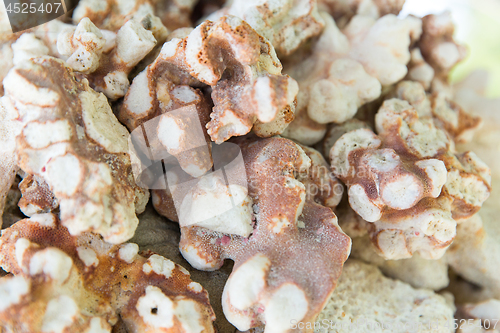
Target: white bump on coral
{"x": 422, "y": 229}
{"x": 116, "y": 84}
{"x": 60, "y": 313}
{"x": 417, "y": 271}
{"x": 286, "y": 304}
{"x": 337, "y": 98}
{"x": 22, "y": 244}
{"x": 98, "y": 325}
{"x": 45, "y": 220}
{"x": 242, "y": 290}
{"x": 155, "y": 308}
{"x": 362, "y": 204}
{"x": 246, "y": 282}
{"x": 216, "y": 206}
{"x": 382, "y": 45}
{"x": 101, "y": 125}
{"x": 138, "y": 97}
{"x": 195, "y": 286}
{"x": 436, "y": 172}
{"x": 133, "y": 42}
{"x": 178, "y": 135}
{"x": 21, "y": 89}
{"x": 65, "y": 174}
{"x": 419, "y": 70}
{"x": 193, "y": 255}
{"x": 357, "y": 139}
{"x": 41, "y": 135}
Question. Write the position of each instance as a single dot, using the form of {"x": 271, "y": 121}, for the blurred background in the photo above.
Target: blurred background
{"x": 477, "y": 26}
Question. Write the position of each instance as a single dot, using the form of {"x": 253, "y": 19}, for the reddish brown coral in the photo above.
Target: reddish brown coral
{"x": 239, "y": 65}
{"x": 72, "y": 140}
{"x": 292, "y": 235}
{"x": 82, "y": 284}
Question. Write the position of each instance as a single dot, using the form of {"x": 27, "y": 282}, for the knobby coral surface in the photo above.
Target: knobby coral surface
{"x": 283, "y": 234}
{"x": 8, "y": 166}
{"x": 343, "y": 10}
{"x": 241, "y": 67}
{"x": 363, "y": 286}
{"x": 409, "y": 181}
{"x": 71, "y": 139}
{"x": 437, "y": 44}
{"x": 368, "y": 89}
{"x": 113, "y": 14}
{"x": 63, "y": 283}
{"x": 106, "y": 58}
{"x": 286, "y": 24}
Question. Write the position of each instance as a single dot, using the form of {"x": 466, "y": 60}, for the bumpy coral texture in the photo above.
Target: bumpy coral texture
{"x": 72, "y": 140}
{"x": 437, "y": 44}
{"x": 476, "y": 253}
{"x": 107, "y": 58}
{"x": 8, "y": 165}
{"x": 173, "y": 116}
{"x": 286, "y": 24}
{"x": 409, "y": 181}
{"x": 347, "y": 69}
{"x": 155, "y": 233}
{"x": 241, "y": 67}
{"x": 366, "y": 88}
{"x": 113, "y": 14}
{"x": 290, "y": 235}
{"x": 82, "y": 284}
{"x": 344, "y": 10}
{"x": 36, "y": 197}
{"x": 448, "y": 115}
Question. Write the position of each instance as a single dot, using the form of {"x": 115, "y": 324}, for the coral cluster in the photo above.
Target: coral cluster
{"x": 295, "y": 152}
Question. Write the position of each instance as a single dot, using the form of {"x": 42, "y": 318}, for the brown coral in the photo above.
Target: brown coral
{"x": 239, "y": 65}
{"x": 393, "y": 178}
{"x": 82, "y": 284}
{"x": 348, "y": 69}
{"x": 72, "y": 140}
{"x": 37, "y": 198}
